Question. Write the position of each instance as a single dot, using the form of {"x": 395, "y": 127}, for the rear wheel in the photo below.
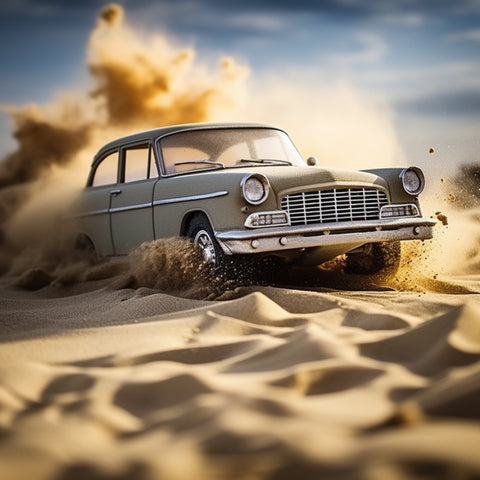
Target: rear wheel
{"x": 85, "y": 248}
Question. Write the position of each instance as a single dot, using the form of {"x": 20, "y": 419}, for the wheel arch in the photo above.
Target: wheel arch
{"x": 84, "y": 243}
{"x": 188, "y": 218}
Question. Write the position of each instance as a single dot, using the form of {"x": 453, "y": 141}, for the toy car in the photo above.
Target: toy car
{"x": 244, "y": 190}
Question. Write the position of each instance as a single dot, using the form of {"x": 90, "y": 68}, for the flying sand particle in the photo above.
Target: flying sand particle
{"x": 443, "y": 218}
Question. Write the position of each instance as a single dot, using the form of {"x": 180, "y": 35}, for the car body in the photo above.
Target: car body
{"x": 241, "y": 189}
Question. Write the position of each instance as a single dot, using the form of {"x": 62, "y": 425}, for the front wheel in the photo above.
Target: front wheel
{"x": 246, "y": 269}
{"x": 201, "y": 234}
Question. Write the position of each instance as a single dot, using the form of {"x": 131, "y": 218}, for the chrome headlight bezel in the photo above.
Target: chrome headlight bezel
{"x": 255, "y": 188}
{"x": 413, "y": 180}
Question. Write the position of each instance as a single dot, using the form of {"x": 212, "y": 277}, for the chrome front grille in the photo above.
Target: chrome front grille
{"x": 337, "y": 205}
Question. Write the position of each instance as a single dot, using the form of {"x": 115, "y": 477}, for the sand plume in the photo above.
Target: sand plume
{"x": 44, "y": 138}
{"x": 145, "y": 84}
{"x": 139, "y": 82}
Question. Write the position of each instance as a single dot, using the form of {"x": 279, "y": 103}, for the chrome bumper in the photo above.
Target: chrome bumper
{"x": 274, "y": 239}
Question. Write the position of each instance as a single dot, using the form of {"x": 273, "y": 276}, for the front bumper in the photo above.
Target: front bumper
{"x": 347, "y": 234}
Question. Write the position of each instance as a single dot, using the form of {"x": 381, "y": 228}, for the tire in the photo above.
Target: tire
{"x": 201, "y": 234}
{"x": 243, "y": 269}
{"x": 85, "y": 248}
{"x": 381, "y": 260}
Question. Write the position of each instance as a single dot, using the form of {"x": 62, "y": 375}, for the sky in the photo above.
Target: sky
{"x": 354, "y": 73}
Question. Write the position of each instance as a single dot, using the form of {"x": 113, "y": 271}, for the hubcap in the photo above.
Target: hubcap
{"x": 205, "y": 242}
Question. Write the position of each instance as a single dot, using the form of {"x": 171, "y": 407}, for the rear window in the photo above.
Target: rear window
{"x": 106, "y": 171}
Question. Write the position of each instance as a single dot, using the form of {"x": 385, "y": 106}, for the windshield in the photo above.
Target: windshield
{"x": 227, "y": 148}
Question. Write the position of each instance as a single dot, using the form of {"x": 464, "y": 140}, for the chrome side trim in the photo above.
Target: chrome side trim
{"x": 190, "y": 198}
{"x": 150, "y": 204}
{"x": 130, "y": 207}
{"x": 103, "y": 211}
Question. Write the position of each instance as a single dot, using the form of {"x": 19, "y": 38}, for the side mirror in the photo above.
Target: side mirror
{"x": 312, "y": 161}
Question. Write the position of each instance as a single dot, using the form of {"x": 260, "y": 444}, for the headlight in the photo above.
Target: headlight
{"x": 413, "y": 180}
{"x": 255, "y": 189}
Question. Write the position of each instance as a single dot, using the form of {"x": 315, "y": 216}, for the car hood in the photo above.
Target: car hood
{"x": 283, "y": 179}
{"x": 289, "y": 179}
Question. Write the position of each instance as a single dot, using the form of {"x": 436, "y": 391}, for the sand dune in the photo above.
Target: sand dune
{"x": 108, "y": 380}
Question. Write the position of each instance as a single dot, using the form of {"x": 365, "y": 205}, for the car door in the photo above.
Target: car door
{"x": 95, "y": 217}
{"x": 131, "y": 200}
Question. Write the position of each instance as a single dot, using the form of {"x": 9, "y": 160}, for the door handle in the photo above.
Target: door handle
{"x": 115, "y": 192}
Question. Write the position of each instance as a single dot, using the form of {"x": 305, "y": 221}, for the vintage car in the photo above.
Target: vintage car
{"x": 243, "y": 191}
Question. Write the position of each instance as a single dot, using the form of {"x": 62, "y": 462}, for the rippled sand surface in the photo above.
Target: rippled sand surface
{"x": 104, "y": 379}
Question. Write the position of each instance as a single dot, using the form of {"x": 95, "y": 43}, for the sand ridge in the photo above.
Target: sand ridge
{"x": 114, "y": 383}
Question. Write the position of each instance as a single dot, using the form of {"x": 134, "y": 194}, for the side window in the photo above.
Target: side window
{"x": 138, "y": 163}
{"x": 106, "y": 171}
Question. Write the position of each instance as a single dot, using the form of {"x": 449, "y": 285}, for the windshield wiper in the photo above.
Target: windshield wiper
{"x": 266, "y": 161}
{"x": 198, "y": 162}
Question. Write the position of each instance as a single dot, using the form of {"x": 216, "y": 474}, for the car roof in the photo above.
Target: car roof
{"x": 159, "y": 132}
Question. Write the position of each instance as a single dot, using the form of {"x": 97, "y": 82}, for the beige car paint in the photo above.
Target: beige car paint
{"x": 119, "y": 216}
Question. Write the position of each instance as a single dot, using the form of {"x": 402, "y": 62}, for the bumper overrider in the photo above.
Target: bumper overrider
{"x": 272, "y": 238}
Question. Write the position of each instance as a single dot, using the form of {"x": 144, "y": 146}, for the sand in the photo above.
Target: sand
{"x": 107, "y": 379}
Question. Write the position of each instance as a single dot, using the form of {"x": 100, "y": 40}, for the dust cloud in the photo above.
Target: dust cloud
{"x": 144, "y": 81}
{"x": 176, "y": 266}
{"x": 329, "y": 119}
{"x": 138, "y": 83}
{"x": 454, "y": 251}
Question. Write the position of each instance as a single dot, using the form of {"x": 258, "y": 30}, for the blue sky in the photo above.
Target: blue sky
{"x": 420, "y": 59}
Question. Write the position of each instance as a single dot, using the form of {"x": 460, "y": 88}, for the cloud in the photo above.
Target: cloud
{"x": 406, "y": 12}
{"x": 444, "y": 103}
{"x": 448, "y": 90}
{"x": 368, "y": 48}
{"x": 260, "y": 22}
{"x": 404, "y": 19}
{"x": 42, "y": 8}
{"x": 403, "y": 12}
{"x": 465, "y": 36}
